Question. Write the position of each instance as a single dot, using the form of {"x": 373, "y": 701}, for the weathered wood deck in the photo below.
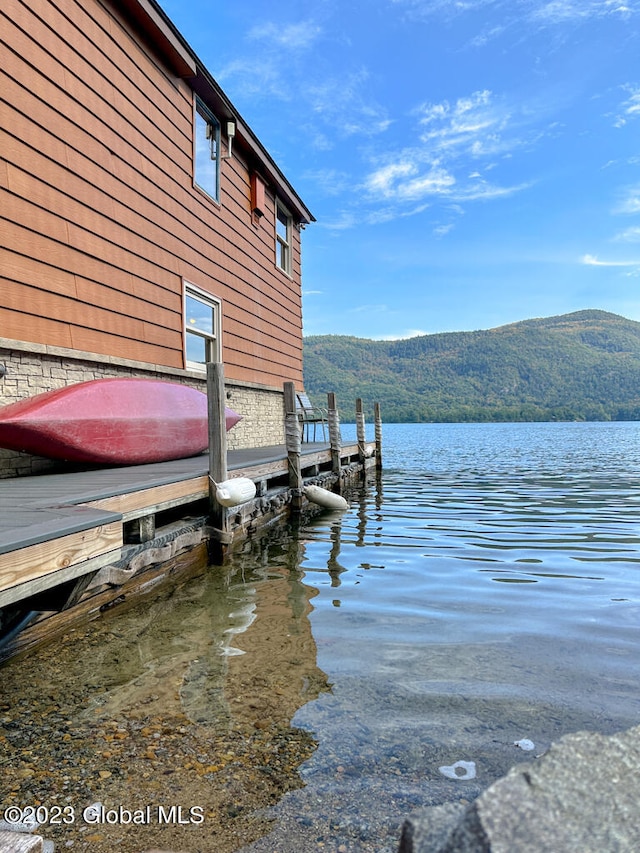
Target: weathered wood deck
{"x": 57, "y": 527}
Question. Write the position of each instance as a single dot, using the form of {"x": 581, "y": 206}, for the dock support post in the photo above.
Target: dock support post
{"x": 378, "y": 429}
{"x": 146, "y": 528}
{"x": 292, "y": 440}
{"x": 335, "y": 438}
{"x": 217, "y": 459}
{"x": 360, "y": 430}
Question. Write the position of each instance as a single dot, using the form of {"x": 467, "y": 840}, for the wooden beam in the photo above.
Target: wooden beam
{"x": 334, "y": 432}
{"x": 54, "y": 576}
{"x": 293, "y": 440}
{"x": 360, "y": 429}
{"x": 145, "y": 527}
{"x": 260, "y": 471}
{"x": 46, "y": 557}
{"x": 218, "y": 516}
{"x": 133, "y": 504}
{"x": 378, "y": 433}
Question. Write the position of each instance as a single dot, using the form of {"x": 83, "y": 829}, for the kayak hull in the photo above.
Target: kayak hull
{"x": 111, "y": 422}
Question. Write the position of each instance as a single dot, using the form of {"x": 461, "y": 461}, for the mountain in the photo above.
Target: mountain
{"x": 579, "y": 366}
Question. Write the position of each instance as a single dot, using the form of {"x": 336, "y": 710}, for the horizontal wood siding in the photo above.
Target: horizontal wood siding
{"x": 100, "y": 223}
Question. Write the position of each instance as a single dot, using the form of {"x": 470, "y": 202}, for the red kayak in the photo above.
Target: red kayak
{"x": 111, "y": 422}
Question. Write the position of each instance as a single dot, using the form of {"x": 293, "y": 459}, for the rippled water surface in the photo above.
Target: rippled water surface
{"x": 484, "y": 591}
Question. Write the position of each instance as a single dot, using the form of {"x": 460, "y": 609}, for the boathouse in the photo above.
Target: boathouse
{"x": 145, "y": 228}
{"x": 145, "y": 232}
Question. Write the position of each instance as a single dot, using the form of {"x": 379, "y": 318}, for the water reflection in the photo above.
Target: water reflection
{"x": 464, "y": 625}
{"x": 185, "y": 652}
{"x": 186, "y": 698}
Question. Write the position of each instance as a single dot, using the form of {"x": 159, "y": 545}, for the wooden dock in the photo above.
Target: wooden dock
{"x": 60, "y": 527}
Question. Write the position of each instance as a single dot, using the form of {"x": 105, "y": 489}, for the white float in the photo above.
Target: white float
{"x": 236, "y": 491}
{"x": 323, "y": 497}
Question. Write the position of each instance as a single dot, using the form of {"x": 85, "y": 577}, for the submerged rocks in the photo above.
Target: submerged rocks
{"x": 582, "y": 795}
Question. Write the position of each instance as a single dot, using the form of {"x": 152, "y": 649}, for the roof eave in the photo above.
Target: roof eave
{"x": 173, "y": 47}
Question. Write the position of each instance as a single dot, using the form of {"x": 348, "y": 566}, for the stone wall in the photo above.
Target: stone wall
{"x": 31, "y": 369}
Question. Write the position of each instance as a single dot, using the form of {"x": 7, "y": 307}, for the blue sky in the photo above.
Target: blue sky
{"x": 470, "y": 163}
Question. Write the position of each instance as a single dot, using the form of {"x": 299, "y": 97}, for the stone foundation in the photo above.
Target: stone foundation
{"x": 31, "y": 369}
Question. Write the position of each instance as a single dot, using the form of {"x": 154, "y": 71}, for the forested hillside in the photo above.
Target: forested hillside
{"x": 580, "y": 366}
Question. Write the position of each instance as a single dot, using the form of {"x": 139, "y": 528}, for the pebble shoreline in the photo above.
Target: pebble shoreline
{"x": 124, "y": 713}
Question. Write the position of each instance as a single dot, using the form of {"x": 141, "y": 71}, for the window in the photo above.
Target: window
{"x": 206, "y": 151}
{"x": 202, "y": 328}
{"x": 284, "y": 225}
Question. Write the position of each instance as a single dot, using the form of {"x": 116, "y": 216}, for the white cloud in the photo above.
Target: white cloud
{"x": 561, "y": 11}
{"x": 262, "y": 72}
{"x": 255, "y": 77}
{"x": 483, "y": 191}
{"x": 345, "y": 220}
{"x": 387, "y": 214}
{"x": 461, "y": 124}
{"x": 298, "y": 36}
{"x": 405, "y": 181}
{"x": 445, "y": 163}
{"x": 592, "y": 261}
{"x": 516, "y": 21}
{"x": 544, "y": 12}
{"x": 331, "y": 182}
{"x": 631, "y": 202}
{"x": 487, "y": 35}
{"x": 630, "y": 108}
{"x": 328, "y": 106}
{"x": 447, "y": 8}
{"x": 479, "y": 126}
{"x": 630, "y": 235}
{"x": 342, "y": 102}
{"x": 378, "y": 308}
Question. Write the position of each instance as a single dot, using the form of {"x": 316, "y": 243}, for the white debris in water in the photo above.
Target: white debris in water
{"x": 525, "y": 744}
{"x": 468, "y": 769}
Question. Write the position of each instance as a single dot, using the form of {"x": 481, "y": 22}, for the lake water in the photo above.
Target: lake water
{"x": 480, "y": 597}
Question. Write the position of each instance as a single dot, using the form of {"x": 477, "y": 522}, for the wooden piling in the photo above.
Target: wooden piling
{"x": 292, "y": 440}
{"x": 335, "y": 438}
{"x": 378, "y": 434}
{"x": 218, "y": 531}
{"x": 145, "y": 527}
{"x": 360, "y": 430}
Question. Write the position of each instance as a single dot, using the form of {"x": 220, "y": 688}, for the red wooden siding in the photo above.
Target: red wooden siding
{"x": 100, "y": 223}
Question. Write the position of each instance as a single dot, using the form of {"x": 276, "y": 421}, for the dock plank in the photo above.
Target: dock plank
{"x": 55, "y": 527}
{"x": 131, "y": 504}
{"x": 17, "y": 593}
{"x": 35, "y": 561}
{"x": 23, "y": 526}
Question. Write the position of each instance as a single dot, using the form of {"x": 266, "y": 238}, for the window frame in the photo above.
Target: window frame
{"x": 202, "y": 111}
{"x": 213, "y": 340}
{"x": 284, "y": 245}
